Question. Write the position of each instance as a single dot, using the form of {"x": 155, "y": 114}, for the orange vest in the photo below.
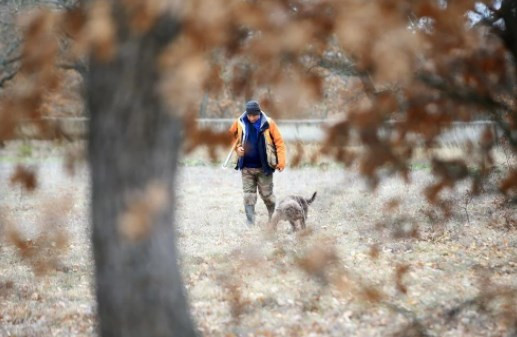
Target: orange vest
{"x": 275, "y": 147}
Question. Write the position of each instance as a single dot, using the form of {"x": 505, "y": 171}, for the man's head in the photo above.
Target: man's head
{"x": 253, "y": 111}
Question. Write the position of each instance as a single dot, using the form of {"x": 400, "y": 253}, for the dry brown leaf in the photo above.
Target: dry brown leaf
{"x": 100, "y": 31}
{"x": 24, "y": 176}
{"x": 371, "y": 294}
{"x": 317, "y": 260}
{"x": 400, "y": 271}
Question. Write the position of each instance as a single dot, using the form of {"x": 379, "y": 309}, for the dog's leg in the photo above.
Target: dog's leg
{"x": 302, "y": 222}
{"x": 273, "y": 223}
{"x": 293, "y": 225}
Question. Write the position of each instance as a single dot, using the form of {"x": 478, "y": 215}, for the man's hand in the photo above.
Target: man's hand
{"x": 240, "y": 151}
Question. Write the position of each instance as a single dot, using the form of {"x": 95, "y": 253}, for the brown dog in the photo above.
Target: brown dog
{"x": 293, "y": 208}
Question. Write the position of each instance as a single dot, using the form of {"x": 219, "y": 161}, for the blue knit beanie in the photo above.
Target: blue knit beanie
{"x": 252, "y": 108}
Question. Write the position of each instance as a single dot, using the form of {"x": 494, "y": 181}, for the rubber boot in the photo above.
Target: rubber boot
{"x": 250, "y": 214}
{"x": 270, "y": 210}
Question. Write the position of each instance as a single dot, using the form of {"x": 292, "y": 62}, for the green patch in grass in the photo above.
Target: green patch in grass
{"x": 420, "y": 166}
{"x": 25, "y": 150}
{"x": 191, "y": 162}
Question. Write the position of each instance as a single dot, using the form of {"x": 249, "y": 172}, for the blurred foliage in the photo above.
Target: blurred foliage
{"x": 394, "y": 75}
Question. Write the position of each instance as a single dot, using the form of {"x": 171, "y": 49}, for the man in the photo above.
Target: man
{"x": 258, "y": 151}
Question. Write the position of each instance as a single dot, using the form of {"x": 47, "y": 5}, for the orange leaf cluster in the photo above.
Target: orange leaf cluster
{"x": 25, "y": 177}
{"x": 316, "y": 261}
{"x": 204, "y": 137}
{"x": 401, "y": 270}
{"x": 42, "y": 252}
{"x": 137, "y": 221}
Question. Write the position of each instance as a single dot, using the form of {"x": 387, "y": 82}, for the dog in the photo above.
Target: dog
{"x": 293, "y": 209}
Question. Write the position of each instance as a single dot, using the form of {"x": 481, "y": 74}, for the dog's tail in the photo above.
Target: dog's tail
{"x": 309, "y": 201}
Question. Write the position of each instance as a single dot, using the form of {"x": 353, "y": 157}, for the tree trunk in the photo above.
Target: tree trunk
{"x": 508, "y": 13}
{"x": 134, "y": 141}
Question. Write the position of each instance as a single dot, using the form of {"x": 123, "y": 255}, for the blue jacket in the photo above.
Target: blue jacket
{"x": 260, "y": 143}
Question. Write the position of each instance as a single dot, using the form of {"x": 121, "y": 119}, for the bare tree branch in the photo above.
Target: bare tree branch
{"x": 11, "y": 60}
{"x": 478, "y": 301}
{"x": 7, "y": 78}
{"x": 80, "y": 67}
{"x": 493, "y": 106}
{"x": 340, "y": 66}
{"x": 415, "y": 324}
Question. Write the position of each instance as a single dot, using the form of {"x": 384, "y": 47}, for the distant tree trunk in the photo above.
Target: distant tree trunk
{"x": 203, "y": 106}
{"x": 508, "y": 13}
{"x": 134, "y": 141}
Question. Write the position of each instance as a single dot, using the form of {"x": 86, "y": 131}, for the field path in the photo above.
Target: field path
{"x": 364, "y": 268}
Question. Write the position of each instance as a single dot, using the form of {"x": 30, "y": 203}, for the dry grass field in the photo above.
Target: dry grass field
{"x": 372, "y": 263}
